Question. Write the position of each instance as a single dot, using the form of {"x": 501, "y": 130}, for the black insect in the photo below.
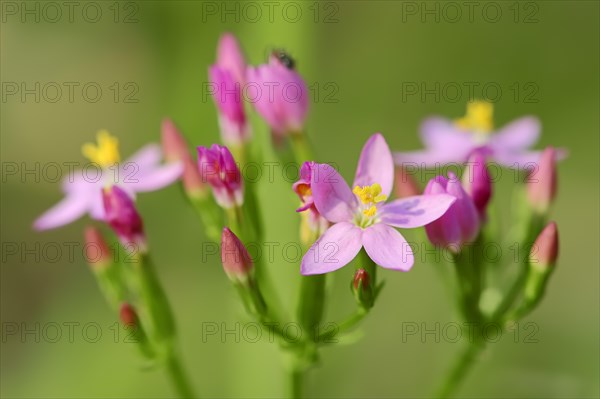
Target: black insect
{"x": 284, "y": 58}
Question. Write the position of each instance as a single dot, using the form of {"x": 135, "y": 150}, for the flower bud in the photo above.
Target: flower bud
{"x": 128, "y": 315}
{"x": 235, "y": 257}
{"x": 541, "y": 265}
{"x": 218, "y": 168}
{"x": 173, "y": 144}
{"x": 122, "y": 216}
{"x": 460, "y": 223}
{"x": 285, "y": 110}
{"x": 541, "y": 186}
{"x": 228, "y": 76}
{"x": 544, "y": 252}
{"x": 406, "y": 185}
{"x": 362, "y": 289}
{"x": 97, "y": 253}
{"x": 231, "y": 57}
{"x": 477, "y": 183}
{"x": 176, "y": 149}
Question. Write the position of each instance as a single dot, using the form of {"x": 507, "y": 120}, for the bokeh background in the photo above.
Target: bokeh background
{"x": 543, "y": 55}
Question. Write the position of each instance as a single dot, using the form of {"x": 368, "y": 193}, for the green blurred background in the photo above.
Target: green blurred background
{"x": 368, "y": 52}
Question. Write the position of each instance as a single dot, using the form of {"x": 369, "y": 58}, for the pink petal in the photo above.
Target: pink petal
{"x": 331, "y": 194}
{"x": 524, "y": 159}
{"x": 375, "y": 165}
{"x": 334, "y": 250}
{"x": 148, "y": 156}
{"x": 416, "y": 211}
{"x": 517, "y": 135}
{"x": 464, "y": 208}
{"x": 156, "y": 178}
{"x": 387, "y": 247}
{"x": 69, "y": 209}
{"x": 431, "y": 158}
{"x": 442, "y": 134}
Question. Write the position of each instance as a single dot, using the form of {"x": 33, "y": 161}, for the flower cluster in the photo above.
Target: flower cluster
{"x": 340, "y": 224}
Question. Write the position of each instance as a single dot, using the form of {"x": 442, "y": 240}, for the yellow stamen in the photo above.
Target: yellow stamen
{"x": 370, "y": 195}
{"x": 106, "y": 153}
{"x": 479, "y": 117}
{"x": 371, "y": 211}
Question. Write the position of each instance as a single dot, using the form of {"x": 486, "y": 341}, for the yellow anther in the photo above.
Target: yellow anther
{"x": 370, "y": 195}
{"x": 479, "y": 117}
{"x": 371, "y": 211}
{"x": 106, "y": 153}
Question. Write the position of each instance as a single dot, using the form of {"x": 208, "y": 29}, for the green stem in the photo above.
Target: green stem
{"x": 179, "y": 377}
{"x": 296, "y": 381}
{"x": 460, "y": 369}
{"x": 301, "y": 147}
{"x": 312, "y": 302}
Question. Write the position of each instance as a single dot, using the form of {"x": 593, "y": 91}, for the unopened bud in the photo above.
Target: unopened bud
{"x": 173, "y": 143}
{"x": 235, "y": 257}
{"x": 477, "y": 183}
{"x": 541, "y": 188}
{"x": 545, "y": 249}
{"x": 128, "y": 315}
{"x": 541, "y": 261}
{"x": 97, "y": 253}
{"x": 123, "y": 217}
{"x": 361, "y": 286}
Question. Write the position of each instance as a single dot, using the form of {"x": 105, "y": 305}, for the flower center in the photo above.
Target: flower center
{"x": 370, "y": 196}
{"x": 106, "y": 153}
{"x": 479, "y": 117}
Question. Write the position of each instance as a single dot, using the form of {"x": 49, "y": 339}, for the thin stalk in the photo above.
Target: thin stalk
{"x": 179, "y": 377}
{"x": 296, "y": 382}
{"x": 461, "y": 368}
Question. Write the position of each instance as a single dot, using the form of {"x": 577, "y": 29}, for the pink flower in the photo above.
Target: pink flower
{"x": 142, "y": 172}
{"x": 361, "y": 218}
{"x": 304, "y": 191}
{"x": 448, "y": 141}
{"x": 218, "y": 168}
{"x": 460, "y": 224}
{"x": 279, "y": 95}
{"x": 228, "y": 78}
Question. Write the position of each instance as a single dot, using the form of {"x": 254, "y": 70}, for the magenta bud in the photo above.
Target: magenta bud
{"x": 477, "y": 183}
{"x": 236, "y": 260}
{"x": 123, "y": 217}
{"x": 97, "y": 252}
{"x": 460, "y": 224}
{"x": 541, "y": 186}
{"x": 405, "y": 185}
{"x": 231, "y": 57}
{"x": 284, "y": 103}
{"x": 228, "y": 77}
{"x": 545, "y": 248}
{"x": 128, "y": 315}
{"x": 218, "y": 168}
